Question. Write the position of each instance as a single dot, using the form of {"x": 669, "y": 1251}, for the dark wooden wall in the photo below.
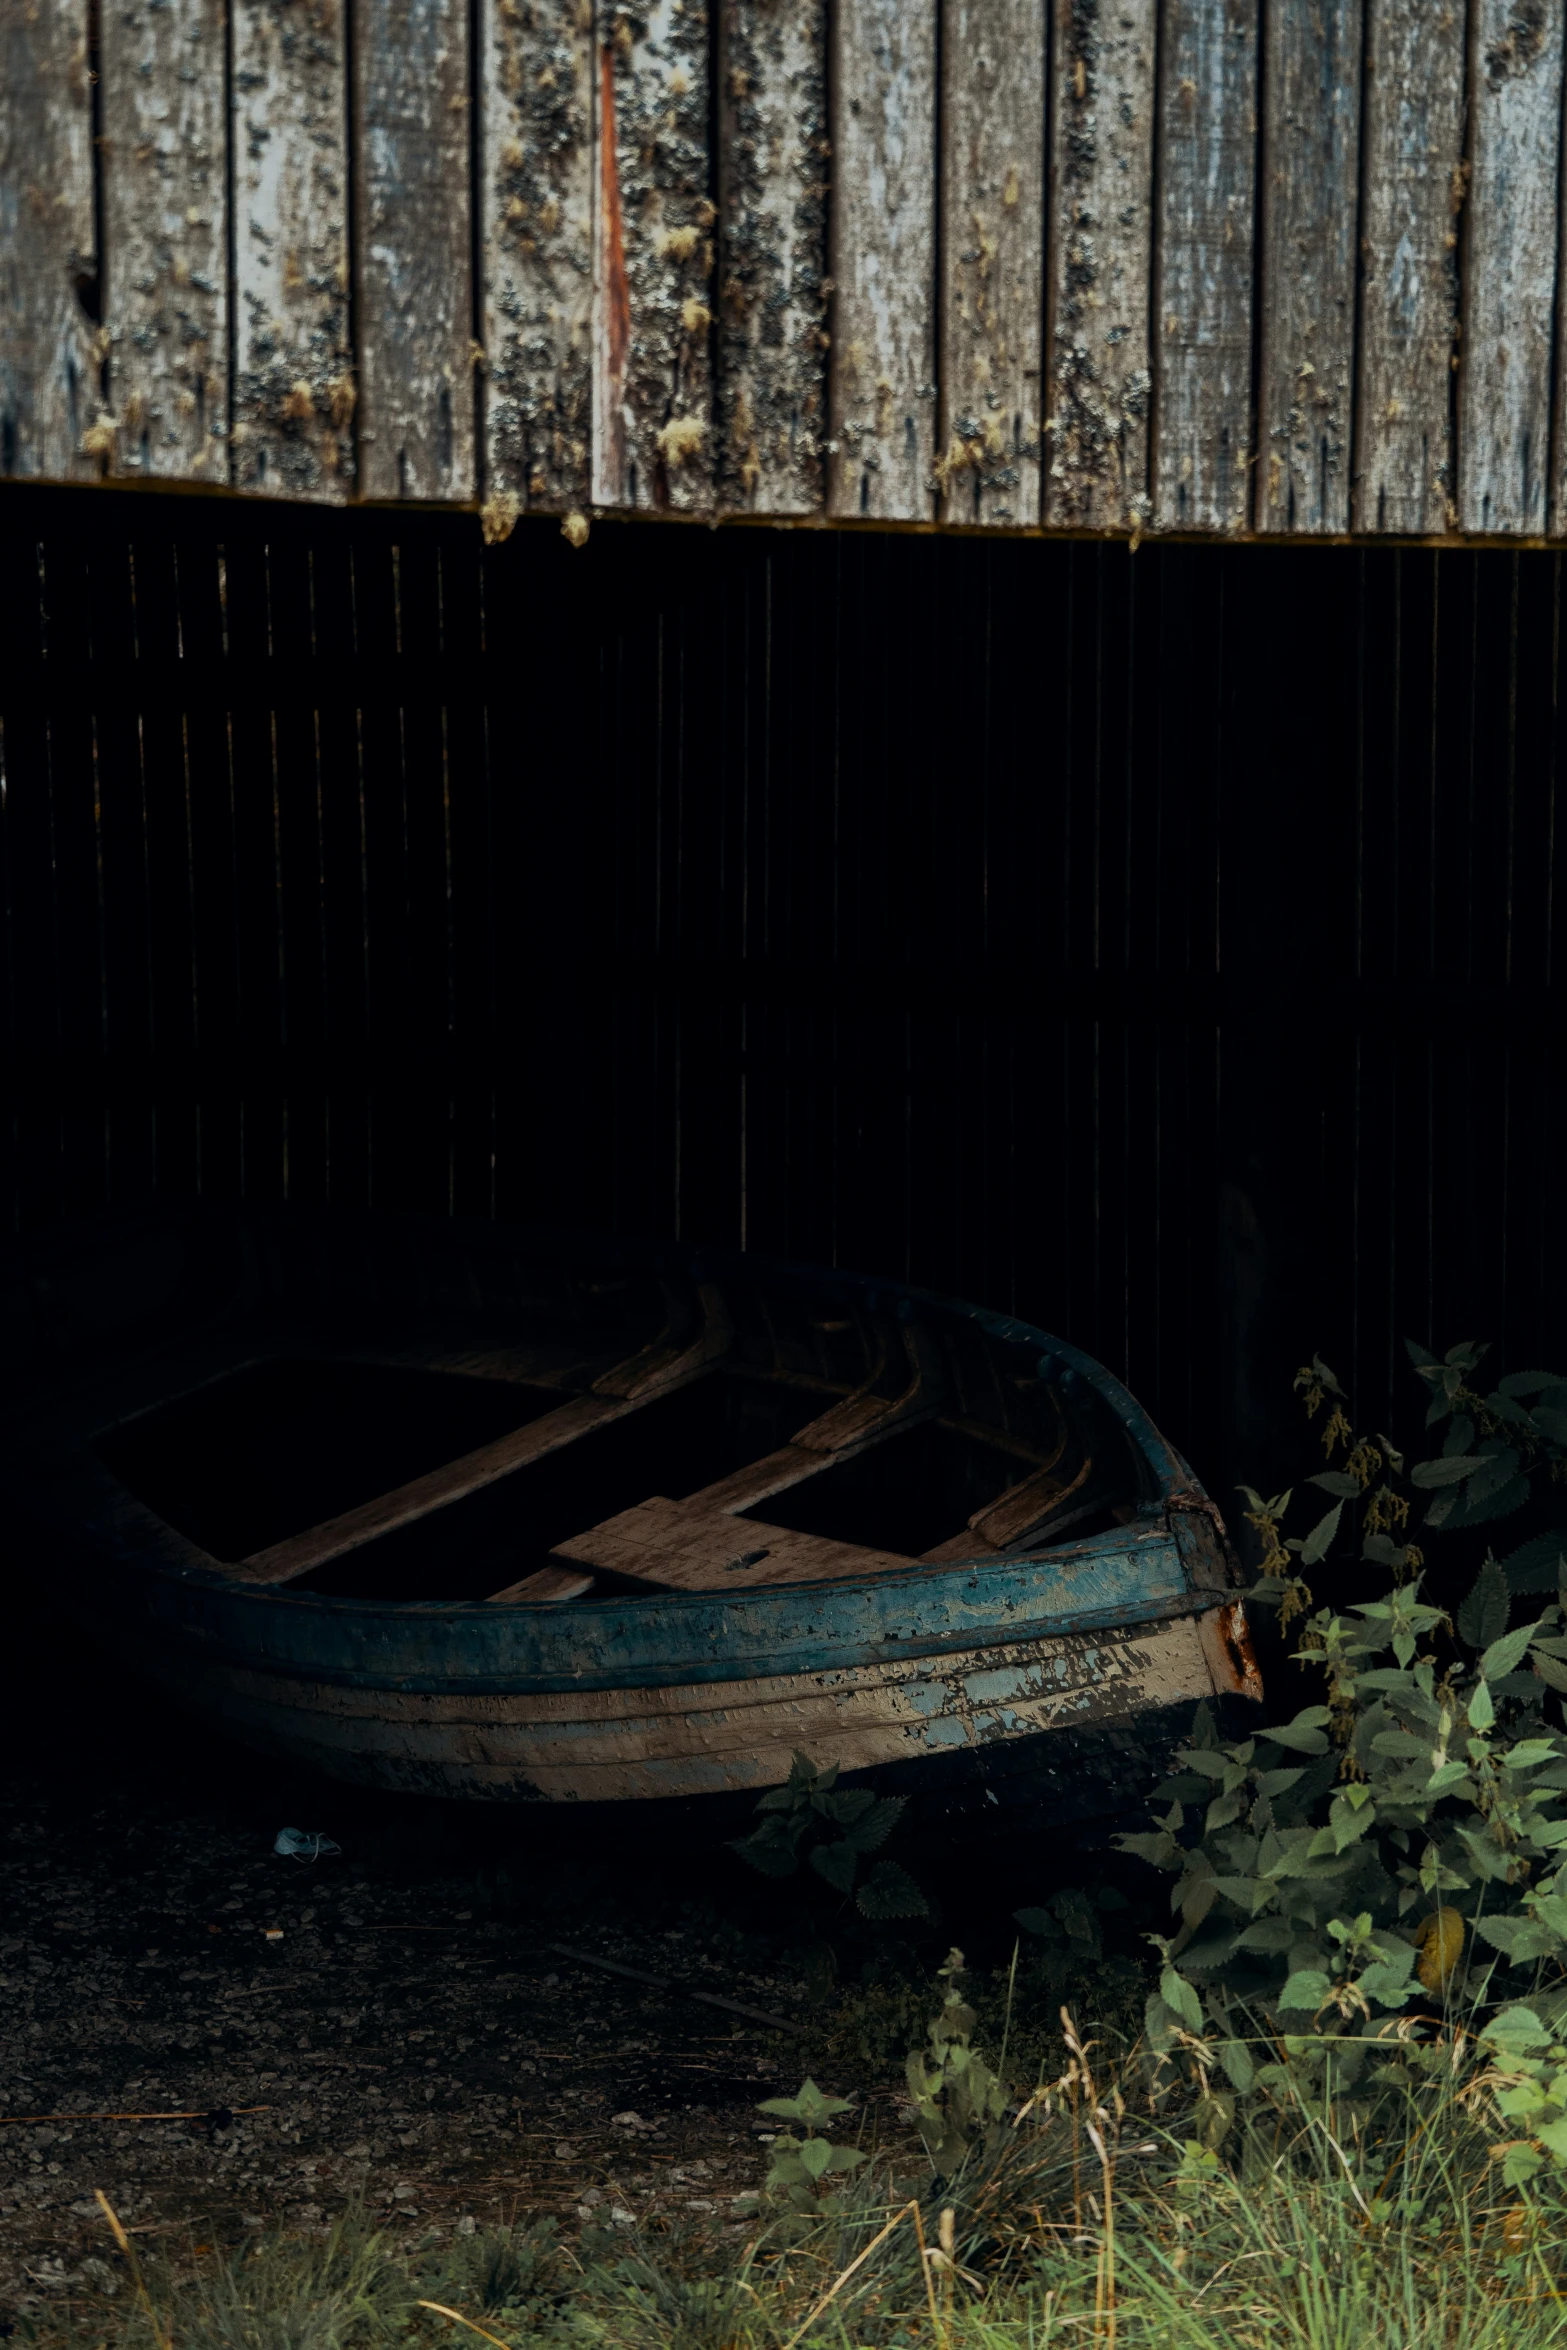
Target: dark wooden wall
{"x": 1161, "y": 944}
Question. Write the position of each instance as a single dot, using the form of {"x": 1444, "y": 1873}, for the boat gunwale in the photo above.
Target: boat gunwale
{"x": 674, "y": 1613}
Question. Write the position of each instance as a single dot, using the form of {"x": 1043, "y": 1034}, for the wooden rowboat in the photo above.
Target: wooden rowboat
{"x": 485, "y": 1512}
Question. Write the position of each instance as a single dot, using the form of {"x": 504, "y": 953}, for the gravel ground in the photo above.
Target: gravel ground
{"x": 364, "y": 2025}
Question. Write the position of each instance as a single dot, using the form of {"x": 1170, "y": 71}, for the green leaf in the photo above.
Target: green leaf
{"x": 1418, "y": 1354}
{"x": 1536, "y": 1565}
{"x": 1520, "y": 2164}
{"x": 1302, "y": 1736}
{"x": 1527, "y": 1382}
{"x": 1179, "y": 1996}
{"x": 1480, "y": 1509}
{"x": 1517, "y": 2028}
{"x": 1040, "y": 1921}
{"x": 1553, "y": 2137}
{"x": 815, "y": 2155}
{"x": 1235, "y": 2057}
{"x": 766, "y": 1851}
{"x": 1337, "y": 1481}
{"x": 1551, "y": 1670}
{"x": 890, "y": 1892}
{"x": 875, "y": 1823}
{"x": 1505, "y": 1655}
{"x": 1320, "y": 1540}
{"x": 1481, "y": 1712}
{"x": 1482, "y": 1618}
{"x": 1521, "y": 1938}
{"x": 1161, "y": 1851}
{"x": 844, "y": 2157}
{"x": 1307, "y": 1987}
{"x": 835, "y": 1862}
{"x": 1387, "y": 1984}
{"x": 1551, "y": 1422}
{"x": 1447, "y": 1472}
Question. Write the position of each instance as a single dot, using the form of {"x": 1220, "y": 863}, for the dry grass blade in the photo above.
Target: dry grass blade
{"x": 443, "y": 2311}
{"x": 164, "y": 2339}
{"x": 909, "y": 2211}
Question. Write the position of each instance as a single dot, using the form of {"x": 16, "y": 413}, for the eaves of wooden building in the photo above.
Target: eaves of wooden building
{"x": 1133, "y": 266}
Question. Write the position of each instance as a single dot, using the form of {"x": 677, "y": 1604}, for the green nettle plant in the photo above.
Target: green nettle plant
{"x": 798, "y": 1820}
{"x": 959, "y": 2102}
{"x": 803, "y": 2168}
{"x": 1372, "y": 1889}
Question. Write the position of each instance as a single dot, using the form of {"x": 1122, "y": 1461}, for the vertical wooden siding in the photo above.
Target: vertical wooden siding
{"x": 1204, "y": 1041}
{"x": 1205, "y": 267}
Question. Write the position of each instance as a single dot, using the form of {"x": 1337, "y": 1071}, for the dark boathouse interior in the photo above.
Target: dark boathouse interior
{"x": 1159, "y": 945}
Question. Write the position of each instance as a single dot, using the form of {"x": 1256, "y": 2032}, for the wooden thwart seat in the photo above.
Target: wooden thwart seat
{"x": 685, "y": 1546}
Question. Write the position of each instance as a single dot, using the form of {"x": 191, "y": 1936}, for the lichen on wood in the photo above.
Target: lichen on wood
{"x": 50, "y": 353}
{"x": 413, "y": 248}
{"x": 1509, "y": 268}
{"x": 772, "y": 294}
{"x": 1206, "y": 206}
{"x": 1101, "y": 232}
{"x": 294, "y": 389}
{"x": 883, "y": 390}
{"x": 992, "y": 259}
{"x": 1310, "y": 215}
{"x": 1414, "y": 177}
{"x": 165, "y": 209}
{"x": 654, "y": 257}
{"x": 537, "y": 195}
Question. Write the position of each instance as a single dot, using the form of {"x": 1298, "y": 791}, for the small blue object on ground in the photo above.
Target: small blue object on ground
{"x": 298, "y": 1844}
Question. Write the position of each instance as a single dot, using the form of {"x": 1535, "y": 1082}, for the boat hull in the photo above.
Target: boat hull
{"x": 1009, "y": 1703}
{"x": 1061, "y": 1672}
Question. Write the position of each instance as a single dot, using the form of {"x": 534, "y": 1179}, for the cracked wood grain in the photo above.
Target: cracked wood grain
{"x": 1509, "y": 268}
{"x": 1100, "y": 248}
{"x": 883, "y": 393}
{"x": 537, "y": 211}
{"x": 1310, "y": 213}
{"x": 1203, "y": 300}
{"x": 412, "y": 157}
{"x": 654, "y": 251}
{"x": 992, "y": 259}
{"x": 294, "y": 389}
{"x": 1413, "y": 178}
{"x": 49, "y": 353}
{"x": 165, "y": 214}
{"x": 772, "y": 296}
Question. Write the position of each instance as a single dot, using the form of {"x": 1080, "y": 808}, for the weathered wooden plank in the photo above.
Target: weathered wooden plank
{"x": 682, "y": 1547}
{"x": 49, "y": 305}
{"x": 588, "y": 1744}
{"x": 165, "y": 223}
{"x": 412, "y": 249}
{"x": 1310, "y": 214}
{"x": 1509, "y": 269}
{"x": 294, "y": 387}
{"x": 1206, "y": 205}
{"x": 1413, "y": 178}
{"x": 883, "y": 394}
{"x": 406, "y": 1504}
{"x": 992, "y": 259}
{"x": 1100, "y": 259}
{"x": 537, "y": 211}
{"x": 772, "y": 301}
{"x": 545, "y": 1587}
{"x": 654, "y": 251}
